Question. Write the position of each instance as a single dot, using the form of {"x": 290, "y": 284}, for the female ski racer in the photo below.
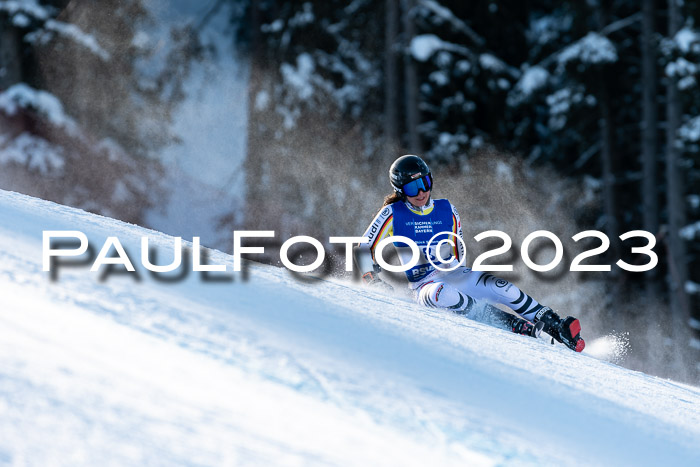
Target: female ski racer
{"x": 411, "y": 212}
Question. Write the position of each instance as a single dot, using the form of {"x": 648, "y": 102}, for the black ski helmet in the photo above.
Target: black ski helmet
{"x": 405, "y": 169}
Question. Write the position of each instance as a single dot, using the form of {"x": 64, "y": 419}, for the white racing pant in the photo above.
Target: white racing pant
{"x": 457, "y": 290}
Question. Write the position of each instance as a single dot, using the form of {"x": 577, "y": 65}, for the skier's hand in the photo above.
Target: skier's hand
{"x": 371, "y": 279}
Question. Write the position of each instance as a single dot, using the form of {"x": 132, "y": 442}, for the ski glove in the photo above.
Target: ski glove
{"x": 371, "y": 279}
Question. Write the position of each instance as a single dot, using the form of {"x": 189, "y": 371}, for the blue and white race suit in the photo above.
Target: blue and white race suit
{"x": 437, "y": 230}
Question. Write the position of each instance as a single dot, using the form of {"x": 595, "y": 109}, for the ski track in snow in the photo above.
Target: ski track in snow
{"x": 275, "y": 371}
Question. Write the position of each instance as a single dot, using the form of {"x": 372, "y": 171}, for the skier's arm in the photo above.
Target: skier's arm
{"x": 459, "y": 250}
{"x": 380, "y": 228}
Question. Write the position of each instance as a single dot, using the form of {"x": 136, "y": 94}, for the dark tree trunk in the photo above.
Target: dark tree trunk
{"x": 254, "y": 164}
{"x": 649, "y": 138}
{"x": 677, "y": 262}
{"x": 608, "y": 166}
{"x": 411, "y": 80}
{"x": 607, "y": 155}
{"x": 10, "y": 62}
{"x": 391, "y": 81}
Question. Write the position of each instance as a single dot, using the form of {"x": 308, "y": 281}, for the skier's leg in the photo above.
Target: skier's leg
{"x": 484, "y": 286}
{"x": 442, "y": 295}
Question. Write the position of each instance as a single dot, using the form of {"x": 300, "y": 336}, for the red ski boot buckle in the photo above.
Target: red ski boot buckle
{"x": 575, "y": 328}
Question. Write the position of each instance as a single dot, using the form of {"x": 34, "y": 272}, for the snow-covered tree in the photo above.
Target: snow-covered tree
{"x": 83, "y": 115}
{"x": 465, "y": 68}
{"x": 315, "y": 107}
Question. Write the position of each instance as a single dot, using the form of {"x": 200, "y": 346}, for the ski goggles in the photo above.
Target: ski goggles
{"x": 414, "y": 187}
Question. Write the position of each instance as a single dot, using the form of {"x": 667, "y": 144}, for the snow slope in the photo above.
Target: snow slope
{"x": 270, "y": 370}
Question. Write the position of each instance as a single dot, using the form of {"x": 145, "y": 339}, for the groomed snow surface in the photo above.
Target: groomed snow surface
{"x": 274, "y": 371}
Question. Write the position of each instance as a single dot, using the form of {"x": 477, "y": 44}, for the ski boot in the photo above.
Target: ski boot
{"x": 526, "y": 328}
{"x": 567, "y": 330}
{"x": 523, "y": 327}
